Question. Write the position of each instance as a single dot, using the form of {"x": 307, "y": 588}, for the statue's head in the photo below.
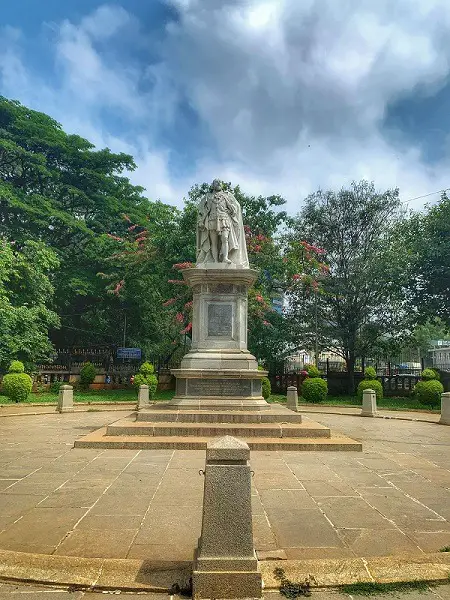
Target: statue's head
{"x": 216, "y": 185}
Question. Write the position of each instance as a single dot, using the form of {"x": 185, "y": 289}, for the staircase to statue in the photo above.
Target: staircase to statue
{"x": 159, "y": 427}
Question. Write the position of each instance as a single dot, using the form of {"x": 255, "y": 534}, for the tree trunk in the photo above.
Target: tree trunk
{"x": 350, "y": 361}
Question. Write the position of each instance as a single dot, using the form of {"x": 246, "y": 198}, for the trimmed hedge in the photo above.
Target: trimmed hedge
{"x": 87, "y": 375}
{"x": 17, "y": 384}
{"x": 314, "y": 389}
{"x": 312, "y": 371}
{"x": 266, "y": 387}
{"x": 428, "y": 392}
{"x": 429, "y": 375}
{"x": 370, "y": 373}
{"x": 146, "y": 376}
{"x": 370, "y": 384}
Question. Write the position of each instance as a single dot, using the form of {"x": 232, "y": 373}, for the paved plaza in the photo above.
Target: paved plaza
{"x": 393, "y": 498}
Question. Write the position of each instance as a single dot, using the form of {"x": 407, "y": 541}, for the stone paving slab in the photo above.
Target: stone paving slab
{"x": 391, "y": 499}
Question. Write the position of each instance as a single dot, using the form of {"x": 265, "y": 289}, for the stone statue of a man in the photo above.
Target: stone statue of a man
{"x": 220, "y": 232}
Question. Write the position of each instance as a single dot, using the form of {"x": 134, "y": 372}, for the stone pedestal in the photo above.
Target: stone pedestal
{"x": 143, "y": 397}
{"x": 292, "y": 398}
{"x": 225, "y": 564}
{"x": 219, "y": 373}
{"x": 445, "y": 409}
{"x": 369, "y": 403}
{"x": 65, "y": 399}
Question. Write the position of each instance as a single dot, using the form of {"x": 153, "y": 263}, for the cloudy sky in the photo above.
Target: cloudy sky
{"x": 279, "y": 96}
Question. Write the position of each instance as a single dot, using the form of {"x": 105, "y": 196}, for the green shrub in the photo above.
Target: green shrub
{"x": 312, "y": 371}
{"x": 314, "y": 389}
{"x": 428, "y": 392}
{"x": 370, "y": 373}
{"x": 146, "y": 376}
{"x": 54, "y": 387}
{"x": 87, "y": 374}
{"x": 429, "y": 375}
{"x": 370, "y": 384}
{"x": 17, "y": 384}
{"x": 266, "y": 387}
{"x": 16, "y": 367}
{"x": 265, "y": 384}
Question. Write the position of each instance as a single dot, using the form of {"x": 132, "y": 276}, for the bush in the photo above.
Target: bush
{"x": 266, "y": 387}
{"x": 146, "y": 376}
{"x": 87, "y": 374}
{"x": 429, "y": 375}
{"x": 265, "y": 384}
{"x": 314, "y": 389}
{"x": 370, "y": 373}
{"x": 428, "y": 392}
{"x": 370, "y": 384}
{"x": 17, "y": 384}
{"x": 312, "y": 371}
{"x": 54, "y": 387}
{"x": 16, "y": 367}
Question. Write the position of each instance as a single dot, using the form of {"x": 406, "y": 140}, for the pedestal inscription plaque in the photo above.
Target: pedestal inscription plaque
{"x": 220, "y": 320}
{"x": 219, "y": 387}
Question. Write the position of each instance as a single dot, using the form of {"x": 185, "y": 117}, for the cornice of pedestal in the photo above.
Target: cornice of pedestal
{"x": 220, "y": 273}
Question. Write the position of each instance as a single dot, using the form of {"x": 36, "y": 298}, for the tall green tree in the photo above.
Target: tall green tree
{"x": 58, "y": 189}
{"x": 361, "y": 299}
{"x": 426, "y": 239}
{"x": 26, "y": 293}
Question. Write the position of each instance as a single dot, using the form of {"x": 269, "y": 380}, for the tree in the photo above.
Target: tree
{"x": 58, "y": 189}
{"x": 26, "y": 293}
{"x": 426, "y": 239}
{"x": 361, "y": 296}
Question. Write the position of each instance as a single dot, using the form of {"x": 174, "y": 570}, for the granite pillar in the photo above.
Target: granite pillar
{"x": 445, "y": 409}
{"x": 143, "y": 397}
{"x": 225, "y": 564}
{"x": 369, "y": 403}
{"x": 292, "y": 398}
{"x": 65, "y": 399}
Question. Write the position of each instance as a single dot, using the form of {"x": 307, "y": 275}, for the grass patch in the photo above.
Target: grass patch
{"x": 445, "y": 549}
{"x": 390, "y": 403}
{"x": 372, "y": 588}
{"x": 93, "y": 396}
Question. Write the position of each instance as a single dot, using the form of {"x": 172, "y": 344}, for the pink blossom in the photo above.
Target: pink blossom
{"x": 188, "y": 305}
{"x": 259, "y": 298}
{"x": 257, "y": 248}
{"x": 266, "y": 323}
{"x": 176, "y": 281}
{"x": 169, "y": 302}
{"x": 132, "y": 227}
{"x": 114, "y": 237}
{"x": 179, "y": 317}
{"x": 183, "y": 265}
{"x": 187, "y": 328}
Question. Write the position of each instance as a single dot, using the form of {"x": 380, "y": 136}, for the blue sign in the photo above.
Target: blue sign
{"x": 135, "y": 353}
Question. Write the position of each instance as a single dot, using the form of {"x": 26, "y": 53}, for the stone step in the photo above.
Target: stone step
{"x": 98, "y": 439}
{"x": 276, "y": 414}
{"x": 309, "y": 429}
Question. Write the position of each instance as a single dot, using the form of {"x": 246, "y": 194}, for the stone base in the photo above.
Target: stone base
{"x": 231, "y": 584}
{"x": 218, "y": 389}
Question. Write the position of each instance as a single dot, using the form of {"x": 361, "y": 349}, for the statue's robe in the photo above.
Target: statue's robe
{"x": 237, "y": 248}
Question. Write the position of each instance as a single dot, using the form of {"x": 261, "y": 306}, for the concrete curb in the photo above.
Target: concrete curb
{"x": 140, "y": 575}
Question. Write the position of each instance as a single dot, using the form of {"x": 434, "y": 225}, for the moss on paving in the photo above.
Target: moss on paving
{"x": 373, "y": 588}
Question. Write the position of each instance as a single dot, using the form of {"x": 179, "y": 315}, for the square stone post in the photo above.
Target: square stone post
{"x": 292, "y": 398}
{"x": 369, "y": 403}
{"x": 143, "y": 397}
{"x": 65, "y": 399}
{"x": 445, "y": 409}
{"x": 225, "y": 564}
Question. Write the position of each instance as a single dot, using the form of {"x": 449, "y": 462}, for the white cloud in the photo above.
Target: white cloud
{"x": 292, "y": 93}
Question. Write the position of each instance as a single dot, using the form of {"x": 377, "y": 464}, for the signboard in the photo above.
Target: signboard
{"x": 135, "y": 353}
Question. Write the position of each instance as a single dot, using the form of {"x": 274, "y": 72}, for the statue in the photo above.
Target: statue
{"x": 220, "y": 232}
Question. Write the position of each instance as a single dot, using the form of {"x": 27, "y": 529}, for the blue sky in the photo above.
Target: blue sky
{"x": 279, "y": 96}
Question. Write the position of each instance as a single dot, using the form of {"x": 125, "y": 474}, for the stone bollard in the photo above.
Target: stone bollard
{"x": 225, "y": 564}
{"x": 292, "y": 398}
{"x": 369, "y": 403}
{"x": 445, "y": 409}
{"x": 143, "y": 397}
{"x": 65, "y": 399}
